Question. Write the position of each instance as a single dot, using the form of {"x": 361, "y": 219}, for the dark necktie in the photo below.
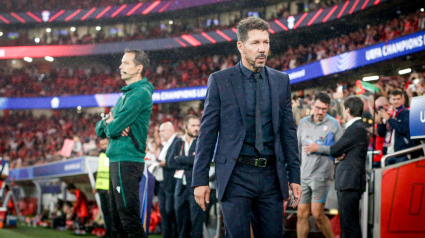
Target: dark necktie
{"x": 258, "y": 125}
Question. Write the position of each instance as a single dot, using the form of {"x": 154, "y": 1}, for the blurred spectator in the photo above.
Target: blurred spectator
{"x": 58, "y": 217}
{"x": 80, "y": 208}
{"x": 394, "y": 128}
{"x": 78, "y": 147}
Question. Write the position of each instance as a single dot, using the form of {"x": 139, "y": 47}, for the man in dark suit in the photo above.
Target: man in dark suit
{"x": 190, "y": 217}
{"x": 257, "y": 150}
{"x": 350, "y": 175}
{"x": 168, "y": 183}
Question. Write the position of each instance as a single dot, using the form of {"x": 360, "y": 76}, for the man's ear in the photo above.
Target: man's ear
{"x": 240, "y": 47}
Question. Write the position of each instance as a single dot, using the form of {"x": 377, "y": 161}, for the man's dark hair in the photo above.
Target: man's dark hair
{"x": 140, "y": 57}
{"x": 187, "y": 119}
{"x": 249, "y": 24}
{"x": 323, "y": 97}
{"x": 356, "y": 106}
{"x": 396, "y": 92}
{"x": 70, "y": 186}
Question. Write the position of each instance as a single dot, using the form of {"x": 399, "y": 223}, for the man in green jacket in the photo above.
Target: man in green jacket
{"x": 127, "y": 129}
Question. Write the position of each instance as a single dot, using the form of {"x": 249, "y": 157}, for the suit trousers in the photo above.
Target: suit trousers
{"x": 190, "y": 216}
{"x": 166, "y": 209}
{"x": 252, "y": 197}
{"x": 125, "y": 177}
{"x": 349, "y": 209}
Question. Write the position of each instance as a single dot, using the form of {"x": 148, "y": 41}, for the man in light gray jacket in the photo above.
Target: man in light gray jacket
{"x": 316, "y": 169}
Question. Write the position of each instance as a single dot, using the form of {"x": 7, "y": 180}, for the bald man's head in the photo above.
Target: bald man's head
{"x": 166, "y": 131}
{"x": 382, "y": 102}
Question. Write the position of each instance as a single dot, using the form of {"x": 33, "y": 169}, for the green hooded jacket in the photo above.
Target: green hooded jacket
{"x": 132, "y": 109}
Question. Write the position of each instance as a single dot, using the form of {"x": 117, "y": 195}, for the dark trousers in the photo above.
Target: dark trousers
{"x": 105, "y": 205}
{"x": 253, "y": 197}
{"x": 190, "y": 216}
{"x": 166, "y": 209}
{"x": 396, "y": 160}
{"x": 349, "y": 208}
{"x": 125, "y": 178}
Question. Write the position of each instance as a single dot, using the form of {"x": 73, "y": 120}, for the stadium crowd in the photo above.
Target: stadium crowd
{"x": 27, "y": 140}
{"x": 29, "y": 82}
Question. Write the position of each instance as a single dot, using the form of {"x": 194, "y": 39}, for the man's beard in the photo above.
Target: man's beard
{"x": 252, "y": 62}
{"x": 192, "y": 135}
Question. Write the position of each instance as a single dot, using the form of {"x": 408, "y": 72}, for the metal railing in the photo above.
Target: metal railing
{"x": 401, "y": 152}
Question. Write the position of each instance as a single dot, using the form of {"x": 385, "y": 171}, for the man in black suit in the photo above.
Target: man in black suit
{"x": 168, "y": 182}
{"x": 256, "y": 158}
{"x": 350, "y": 175}
{"x": 190, "y": 217}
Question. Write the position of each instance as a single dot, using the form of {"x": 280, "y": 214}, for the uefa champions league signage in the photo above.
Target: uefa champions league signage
{"x": 417, "y": 118}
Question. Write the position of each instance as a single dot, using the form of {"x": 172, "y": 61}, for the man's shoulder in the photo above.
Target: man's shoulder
{"x": 332, "y": 121}
{"x": 140, "y": 93}
{"x": 225, "y": 72}
{"x": 277, "y": 73}
{"x": 357, "y": 126}
{"x": 403, "y": 113}
{"x": 304, "y": 120}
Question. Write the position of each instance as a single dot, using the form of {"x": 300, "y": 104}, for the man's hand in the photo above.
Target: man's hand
{"x": 296, "y": 190}
{"x": 111, "y": 117}
{"x": 125, "y": 132}
{"x": 312, "y": 148}
{"x": 382, "y": 113}
{"x": 202, "y": 195}
{"x": 94, "y": 191}
{"x": 340, "y": 157}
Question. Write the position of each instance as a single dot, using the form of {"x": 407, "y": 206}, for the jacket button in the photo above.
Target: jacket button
{"x": 242, "y": 138}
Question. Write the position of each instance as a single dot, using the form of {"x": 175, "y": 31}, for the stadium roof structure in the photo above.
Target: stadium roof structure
{"x": 307, "y": 19}
{"x": 101, "y": 13}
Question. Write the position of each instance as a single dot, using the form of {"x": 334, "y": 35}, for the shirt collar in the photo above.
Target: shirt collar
{"x": 134, "y": 85}
{"x": 169, "y": 141}
{"x": 320, "y": 122}
{"x": 184, "y": 137}
{"x": 245, "y": 71}
{"x": 352, "y": 121}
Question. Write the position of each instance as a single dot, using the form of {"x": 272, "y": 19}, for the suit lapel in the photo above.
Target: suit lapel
{"x": 274, "y": 92}
{"x": 238, "y": 87}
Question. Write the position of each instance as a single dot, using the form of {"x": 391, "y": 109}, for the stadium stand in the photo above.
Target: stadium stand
{"x": 166, "y": 74}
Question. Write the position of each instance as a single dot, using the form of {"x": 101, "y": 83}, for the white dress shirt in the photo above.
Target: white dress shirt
{"x": 159, "y": 176}
{"x": 180, "y": 173}
{"x": 349, "y": 123}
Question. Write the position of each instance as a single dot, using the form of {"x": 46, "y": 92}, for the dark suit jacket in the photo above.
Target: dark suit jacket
{"x": 402, "y": 132}
{"x": 224, "y": 114}
{"x": 169, "y": 181}
{"x": 351, "y": 171}
{"x": 182, "y": 161}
